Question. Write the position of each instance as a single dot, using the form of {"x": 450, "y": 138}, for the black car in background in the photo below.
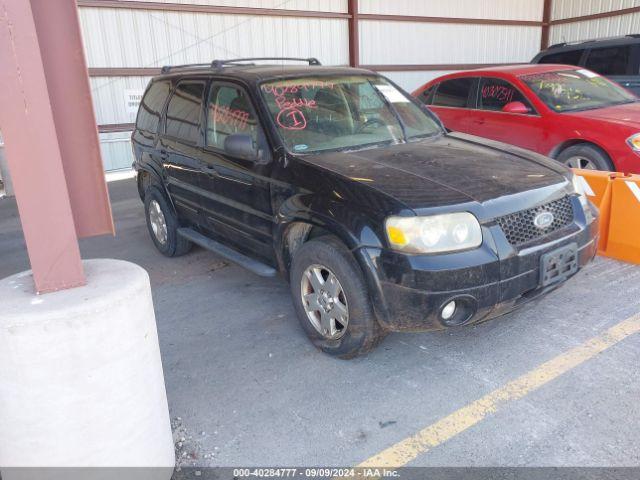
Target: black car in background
{"x": 339, "y": 180}
{"x": 616, "y": 58}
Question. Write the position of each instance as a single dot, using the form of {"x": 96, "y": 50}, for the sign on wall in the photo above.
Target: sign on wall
{"x": 132, "y": 99}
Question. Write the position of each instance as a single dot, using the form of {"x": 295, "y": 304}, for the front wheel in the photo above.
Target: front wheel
{"x": 586, "y": 157}
{"x": 331, "y": 299}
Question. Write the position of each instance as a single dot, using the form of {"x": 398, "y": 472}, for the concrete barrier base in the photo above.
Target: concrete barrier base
{"x": 82, "y": 390}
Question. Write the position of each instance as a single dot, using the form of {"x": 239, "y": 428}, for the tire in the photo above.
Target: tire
{"x": 586, "y": 156}
{"x": 362, "y": 331}
{"x": 170, "y": 243}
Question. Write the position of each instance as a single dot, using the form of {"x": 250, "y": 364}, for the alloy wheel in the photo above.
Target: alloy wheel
{"x": 324, "y": 302}
{"x": 158, "y": 222}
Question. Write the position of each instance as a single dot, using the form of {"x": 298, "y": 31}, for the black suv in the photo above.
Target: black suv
{"x": 617, "y": 58}
{"x": 339, "y": 180}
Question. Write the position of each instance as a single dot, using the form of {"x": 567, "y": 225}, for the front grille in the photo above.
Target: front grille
{"x": 519, "y": 227}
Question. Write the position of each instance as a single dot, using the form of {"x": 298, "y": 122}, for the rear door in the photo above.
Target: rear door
{"x": 236, "y": 192}
{"x": 490, "y": 121}
{"x": 180, "y": 147}
{"x": 453, "y": 100}
{"x": 619, "y": 63}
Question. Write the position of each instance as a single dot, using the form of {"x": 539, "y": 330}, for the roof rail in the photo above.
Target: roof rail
{"x": 594, "y": 40}
{"x": 168, "y": 68}
{"x": 235, "y": 61}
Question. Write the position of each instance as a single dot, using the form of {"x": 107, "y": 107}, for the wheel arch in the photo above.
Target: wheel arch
{"x": 558, "y": 149}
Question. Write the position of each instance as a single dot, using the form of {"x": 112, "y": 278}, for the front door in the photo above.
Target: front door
{"x": 236, "y": 192}
{"x": 489, "y": 120}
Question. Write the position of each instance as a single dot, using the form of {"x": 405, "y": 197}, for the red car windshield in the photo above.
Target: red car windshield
{"x": 574, "y": 90}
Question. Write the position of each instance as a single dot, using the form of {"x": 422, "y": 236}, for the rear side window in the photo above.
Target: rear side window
{"x": 571, "y": 57}
{"x": 454, "y": 93}
{"x": 183, "y": 112}
{"x": 151, "y": 107}
{"x": 229, "y": 111}
{"x": 609, "y": 61}
{"x": 495, "y": 93}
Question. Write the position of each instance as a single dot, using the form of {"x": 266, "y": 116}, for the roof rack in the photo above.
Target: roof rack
{"x": 237, "y": 62}
{"x": 593, "y": 40}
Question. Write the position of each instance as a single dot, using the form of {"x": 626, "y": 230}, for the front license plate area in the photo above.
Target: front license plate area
{"x": 558, "y": 265}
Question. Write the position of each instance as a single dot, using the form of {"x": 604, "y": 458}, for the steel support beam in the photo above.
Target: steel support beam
{"x": 50, "y": 135}
{"x": 354, "y": 34}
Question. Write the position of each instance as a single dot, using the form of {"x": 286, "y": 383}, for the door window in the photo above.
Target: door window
{"x": 570, "y": 57}
{"x": 183, "y": 112}
{"x": 609, "y": 61}
{"x": 495, "y": 93}
{"x": 454, "y": 93}
{"x": 229, "y": 112}
{"x": 426, "y": 96}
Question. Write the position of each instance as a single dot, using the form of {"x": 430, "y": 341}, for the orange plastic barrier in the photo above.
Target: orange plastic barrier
{"x": 623, "y": 240}
{"x": 618, "y": 198}
{"x": 598, "y": 188}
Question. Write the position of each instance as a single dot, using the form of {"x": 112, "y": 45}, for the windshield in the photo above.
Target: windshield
{"x": 572, "y": 90}
{"x": 313, "y": 114}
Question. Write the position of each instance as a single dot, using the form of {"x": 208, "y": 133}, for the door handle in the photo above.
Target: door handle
{"x": 479, "y": 121}
{"x": 209, "y": 170}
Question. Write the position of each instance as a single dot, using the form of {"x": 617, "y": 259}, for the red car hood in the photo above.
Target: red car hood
{"x": 628, "y": 114}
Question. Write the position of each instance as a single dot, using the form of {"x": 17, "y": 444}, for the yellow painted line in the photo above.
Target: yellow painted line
{"x": 448, "y": 427}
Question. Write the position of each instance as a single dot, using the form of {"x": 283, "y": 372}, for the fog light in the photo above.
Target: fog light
{"x": 448, "y": 310}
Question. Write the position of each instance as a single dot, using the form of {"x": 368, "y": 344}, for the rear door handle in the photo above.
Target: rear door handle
{"x": 209, "y": 170}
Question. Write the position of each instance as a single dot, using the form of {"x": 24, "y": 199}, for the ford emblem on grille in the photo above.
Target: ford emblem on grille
{"x": 543, "y": 220}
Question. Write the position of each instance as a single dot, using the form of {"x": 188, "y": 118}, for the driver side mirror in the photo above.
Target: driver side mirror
{"x": 243, "y": 146}
{"x": 516, "y": 107}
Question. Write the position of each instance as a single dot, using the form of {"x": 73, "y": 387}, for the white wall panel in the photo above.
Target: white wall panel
{"x": 430, "y": 43}
{"x": 140, "y": 38}
{"x": 317, "y": 5}
{"x": 109, "y": 99}
{"x": 116, "y": 150}
{"x": 492, "y": 9}
{"x": 599, "y": 28}
{"x": 412, "y": 80}
{"x": 577, "y": 8}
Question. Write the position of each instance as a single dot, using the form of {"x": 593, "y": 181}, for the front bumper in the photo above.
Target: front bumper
{"x": 485, "y": 283}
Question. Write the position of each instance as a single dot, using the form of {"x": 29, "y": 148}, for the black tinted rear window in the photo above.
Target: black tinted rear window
{"x": 453, "y": 93}
{"x": 151, "y": 107}
{"x": 609, "y": 61}
{"x": 571, "y": 57}
{"x": 183, "y": 112}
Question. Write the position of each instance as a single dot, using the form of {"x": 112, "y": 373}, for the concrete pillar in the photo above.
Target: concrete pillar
{"x": 81, "y": 381}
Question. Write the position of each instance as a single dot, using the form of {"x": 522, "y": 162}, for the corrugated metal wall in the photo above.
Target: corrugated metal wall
{"x": 116, "y": 37}
{"x": 447, "y": 43}
{"x": 136, "y": 38}
{"x": 597, "y": 28}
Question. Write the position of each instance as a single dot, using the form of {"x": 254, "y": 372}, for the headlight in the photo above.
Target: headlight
{"x": 634, "y": 142}
{"x": 434, "y": 234}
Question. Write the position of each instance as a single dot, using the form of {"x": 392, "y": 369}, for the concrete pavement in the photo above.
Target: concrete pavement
{"x": 246, "y": 388}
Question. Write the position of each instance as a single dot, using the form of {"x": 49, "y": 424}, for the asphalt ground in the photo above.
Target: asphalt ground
{"x": 555, "y": 384}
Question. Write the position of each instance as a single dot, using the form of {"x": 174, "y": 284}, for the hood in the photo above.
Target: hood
{"x": 446, "y": 170}
{"x": 627, "y": 115}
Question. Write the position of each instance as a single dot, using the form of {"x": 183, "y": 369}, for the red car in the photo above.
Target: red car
{"x": 571, "y": 114}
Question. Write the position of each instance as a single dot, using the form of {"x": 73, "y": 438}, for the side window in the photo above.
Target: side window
{"x": 496, "y": 93}
{"x": 151, "y": 106}
{"x": 229, "y": 111}
{"x": 426, "y": 96}
{"x": 183, "y": 112}
{"x": 454, "y": 93}
{"x": 571, "y": 57}
{"x": 609, "y": 61}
